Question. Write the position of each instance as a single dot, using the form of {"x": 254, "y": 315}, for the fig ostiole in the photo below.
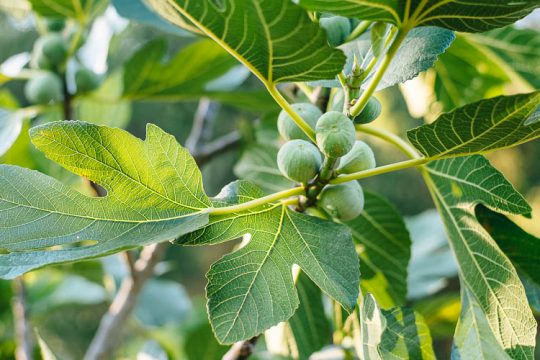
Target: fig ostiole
{"x": 344, "y": 202}
{"x": 335, "y": 134}
{"x": 299, "y": 160}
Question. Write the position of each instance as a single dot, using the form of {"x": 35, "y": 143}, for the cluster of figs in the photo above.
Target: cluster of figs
{"x": 301, "y": 160}
{"x": 49, "y": 59}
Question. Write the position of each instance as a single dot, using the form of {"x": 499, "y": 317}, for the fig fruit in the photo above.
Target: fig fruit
{"x": 52, "y": 47}
{"x": 288, "y": 128}
{"x": 335, "y": 134}
{"x": 86, "y": 80}
{"x": 343, "y": 201}
{"x": 337, "y": 29}
{"x": 360, "y": 158}
{"x": 371, "y": 112}
{"x": 299, "y": 160}
{"x": 44, "y": 88}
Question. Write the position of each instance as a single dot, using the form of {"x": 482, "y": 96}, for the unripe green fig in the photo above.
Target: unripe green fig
{"x": 44, "y": 88}
{"x": 360, "y": 158}
{"x": 338, "y": 101}
{"x": 52, "y": 47}
{"x": 55, "y": 25}
{"x": 343, "y": 201}
{"x": 86, "y": 80}
{"x": 337, "y": 29}
{"x": 299, "y": 160}
{"x": 370, "y": 113}
{"x": 335, "y": 134}
{"x": 288, "y": 128}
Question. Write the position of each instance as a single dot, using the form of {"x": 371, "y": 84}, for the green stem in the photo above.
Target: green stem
{"x": 379, "y": 170}
{"x": 257, "y": 202}
{"x": 366, "y": 95}
{"x": 390, "y": 138}
{"x": 302, "y": 124}
{"x": 358, "y": 31}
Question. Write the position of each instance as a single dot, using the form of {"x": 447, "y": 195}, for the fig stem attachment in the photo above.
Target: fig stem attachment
{"x": 302, "y": 124}
{"x": 364, "y": 98}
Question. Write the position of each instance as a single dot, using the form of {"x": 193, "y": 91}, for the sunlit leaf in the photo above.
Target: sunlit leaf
{"x": 154, "y": 194}
{"x": 252, "y": 289}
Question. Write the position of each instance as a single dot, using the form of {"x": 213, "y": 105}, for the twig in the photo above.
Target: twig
{"x": 106, "y": 339}
{"x": 220, "y": 145}
{"x": 242, "y": 350}
{"x": 199, "y": 122}
{"x": 23, "y": 332}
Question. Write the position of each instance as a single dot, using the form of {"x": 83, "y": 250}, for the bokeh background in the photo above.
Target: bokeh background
{"x": 66, "y": 302}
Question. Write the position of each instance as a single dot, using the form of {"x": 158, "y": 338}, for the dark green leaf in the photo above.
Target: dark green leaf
{"x": 154, "y": 194}
{"x": 309, "y": 326}
{"x": 275, "y": 39}
{"x": 487, "y": 125}
{"x": 252, "y": 289}
{"x": 77, "y": 9}
{"x": 384, "y": 247}
{"x": 473, "y": 16}
{"x": 458, "y": 185}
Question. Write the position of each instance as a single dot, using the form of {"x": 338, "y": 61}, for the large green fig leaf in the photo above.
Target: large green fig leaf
{"x": 481, "y": 127}
{"x": 275, "y": 39}
{"x": 154, "y": 194}
{"x": 398, "y": 333}
{"x": 11, "y": 123}
{"x": 467, "y": 16}
{"x": 252, "y": 289}
{"x": 377, "y": 230}
{"x": 458, "y": 185}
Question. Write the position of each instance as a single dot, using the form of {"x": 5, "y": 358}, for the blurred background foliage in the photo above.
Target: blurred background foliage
{"x": 66, "y": 302}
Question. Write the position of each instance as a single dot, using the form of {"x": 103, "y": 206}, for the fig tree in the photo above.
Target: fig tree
{"x": 360, "y": 158}
{"x": 343, "y": 201}
{"x": 299, "y": 160}
{"x": 86, "y": 80}
{"x": 288, "y": 128}
{"x": 337, "y": 29}
{"x": 44, "y": 88}
{"x": 335, "y": 134}
{"x": 370, "y": 112}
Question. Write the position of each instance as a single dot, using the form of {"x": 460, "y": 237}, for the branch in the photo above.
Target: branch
{"x": 218, "y": 146}
{"x": 23, "y": 332}
{"x": 106, "y": 339}
{"x": 241, "y": 350}
{"x": 199, "y": 121}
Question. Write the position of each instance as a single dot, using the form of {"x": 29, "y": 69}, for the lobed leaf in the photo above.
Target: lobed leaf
{"x": 252, "y": 289}
{"x": 484, "y": 126}
{"x": 154, "y": 194}
{"x": 275, "y": 39}
{"x": 379, "y": 228}
{"x": 458, "y": 185}
{"x": 466, "y": 16}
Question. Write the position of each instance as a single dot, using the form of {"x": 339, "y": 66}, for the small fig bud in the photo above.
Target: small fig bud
{"x": 52, "y": 47}
{"x": 86, "y": 80}
{"x": 370, "y": 113}
{"x": 299, "y": 160}
{"x": 335, "y": 134}
{"x": 344, "y": 201}
{"x": 44, "y": 88}
{"x": 360, "y": 158}
{"x": 288, "y": 128}
{"x": 337, "y": 29}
